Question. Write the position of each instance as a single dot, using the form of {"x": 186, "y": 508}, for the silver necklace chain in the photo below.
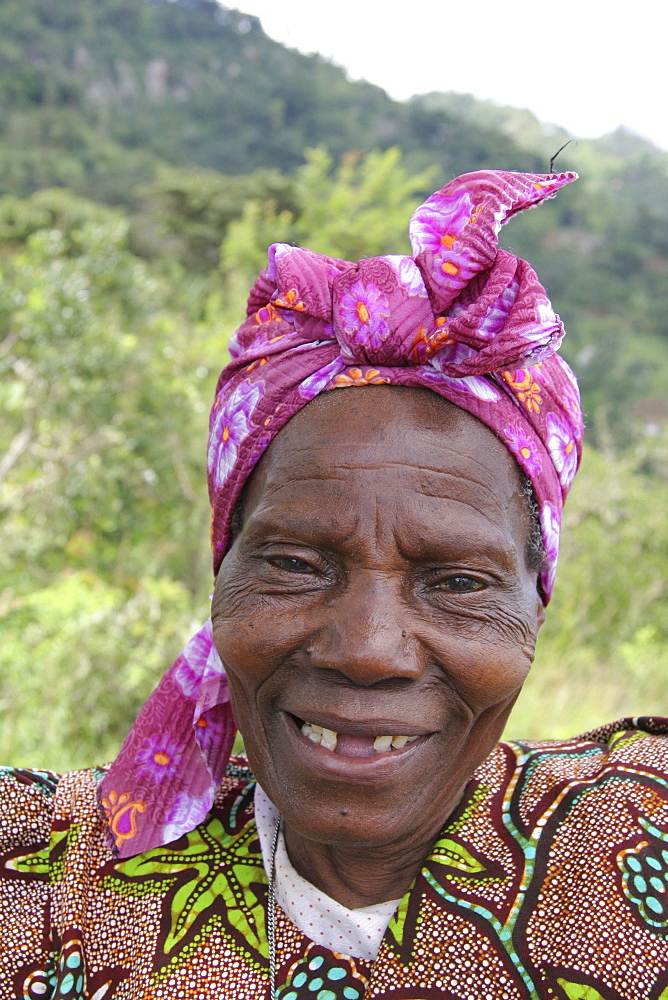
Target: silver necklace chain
{"x": 271, "y": 915}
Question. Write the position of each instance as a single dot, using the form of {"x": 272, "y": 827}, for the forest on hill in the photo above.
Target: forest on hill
{"x": 150, "y": 150}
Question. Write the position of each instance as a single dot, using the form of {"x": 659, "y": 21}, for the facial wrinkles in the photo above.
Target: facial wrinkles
{"x": 382, "y": 548}
{"x": 288, "y": 506}
{"x": 377, "y": 518}
{"x": 328, "y": 462}
{"x": 467, "y": 481}
{"x": 385, "y": 665}
{"x": 441, "y": 534}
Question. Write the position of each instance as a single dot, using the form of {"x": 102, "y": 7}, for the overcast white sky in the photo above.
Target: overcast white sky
{"x": 586, "y": 65}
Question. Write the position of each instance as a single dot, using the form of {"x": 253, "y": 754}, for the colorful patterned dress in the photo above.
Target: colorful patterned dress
{"x": 549, "y": 881}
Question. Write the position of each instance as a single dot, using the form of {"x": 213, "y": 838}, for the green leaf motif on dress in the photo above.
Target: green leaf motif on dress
{"x": 394, "y": 935}
{"x": 453, "y": 854}
{"x": 475, "y": 798}
{"x": 579, "y": 991}
{"x": 449, "y": 850}
{"x": 35, "y": 864}
{"x": 624, "y": 739}
{"x": 216, "y": 877}
{"x": 61, "y": 840}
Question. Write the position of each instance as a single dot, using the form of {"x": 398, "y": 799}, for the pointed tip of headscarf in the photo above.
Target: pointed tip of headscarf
{"x": 454, "y": 233}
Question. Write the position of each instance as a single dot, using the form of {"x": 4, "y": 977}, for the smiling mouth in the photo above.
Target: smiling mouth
{"x": 348, "y": 745}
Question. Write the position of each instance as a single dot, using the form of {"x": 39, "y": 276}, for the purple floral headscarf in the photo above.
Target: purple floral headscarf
{"x": 462, "y": 317}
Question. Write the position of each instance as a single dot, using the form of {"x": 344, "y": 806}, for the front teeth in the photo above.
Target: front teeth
{"x": 400, "y": 741}
{"x": 318, "y": 734}
{"x": 328, "y": 738}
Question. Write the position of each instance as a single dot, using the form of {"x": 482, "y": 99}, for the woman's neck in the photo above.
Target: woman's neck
{"x": 354, "y": 876}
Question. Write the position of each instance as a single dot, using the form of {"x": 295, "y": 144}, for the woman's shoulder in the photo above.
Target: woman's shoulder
{"x": 31, "y": 802}
{"x": 631, "y": 750}
{"x": 39, "y": 806}
{"x": 27, "y": 802}
{"x": 624, "y": 759}
{"x": 643, "y": 739}
{"x": 27, "y": 805}
{"x": 38, "y": 812}
{"x": 637, "y": 727}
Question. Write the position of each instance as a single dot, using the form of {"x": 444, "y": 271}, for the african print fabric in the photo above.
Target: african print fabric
{"x": 550, "y": 880}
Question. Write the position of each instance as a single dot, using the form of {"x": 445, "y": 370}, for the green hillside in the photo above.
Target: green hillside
{"x": 95, "y": 94}
{"x": 149, "y": 152}
{"x": 120, "y": 101}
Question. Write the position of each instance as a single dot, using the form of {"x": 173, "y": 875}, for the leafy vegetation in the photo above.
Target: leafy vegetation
{"x": 150, "y": 151}
{"x": 87, "y": 84}
{"x": 603, "y": 653}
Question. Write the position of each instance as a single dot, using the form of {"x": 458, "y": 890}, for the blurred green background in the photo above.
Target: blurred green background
{"x": 149, "y": 152}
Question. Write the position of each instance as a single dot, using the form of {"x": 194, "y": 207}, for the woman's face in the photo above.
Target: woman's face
{"x": 379, "y": 587}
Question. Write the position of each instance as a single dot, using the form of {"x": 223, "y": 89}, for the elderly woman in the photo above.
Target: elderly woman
{"x": 383, "y": 560}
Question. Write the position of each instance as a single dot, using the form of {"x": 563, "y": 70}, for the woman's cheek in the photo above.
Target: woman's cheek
{"x": 246, "y": 673}
{"x": 240, "y": 647}
{"x": 241, "y": 699}
{"x": 236, "y": 592}
{"x": 485, "y": 661}
{"x": 507, "y": 629}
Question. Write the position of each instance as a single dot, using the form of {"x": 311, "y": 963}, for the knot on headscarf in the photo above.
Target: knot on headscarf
{"x": 461, "y": 316}
{"x": 460, "y": 297}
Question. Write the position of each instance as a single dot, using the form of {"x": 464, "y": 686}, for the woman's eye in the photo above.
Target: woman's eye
{"x": 292, "y": 564}
{"x": 460, "y": 584}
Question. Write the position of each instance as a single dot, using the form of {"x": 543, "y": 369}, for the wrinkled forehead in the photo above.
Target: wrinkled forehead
{"x": 395, "y": 433}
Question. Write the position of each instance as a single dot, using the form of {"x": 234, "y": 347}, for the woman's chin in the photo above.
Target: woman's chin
{"x": 364, "y": 800}
{"x": 355, "y": 820}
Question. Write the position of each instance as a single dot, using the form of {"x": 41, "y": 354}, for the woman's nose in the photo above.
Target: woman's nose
{"x": 366, "y": 634}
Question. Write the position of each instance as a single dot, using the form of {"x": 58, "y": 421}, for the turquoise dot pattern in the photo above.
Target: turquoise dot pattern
{"x": 323, "y": 975}
{"x": 645, "y": 882}
{"x": 71, "y": 980}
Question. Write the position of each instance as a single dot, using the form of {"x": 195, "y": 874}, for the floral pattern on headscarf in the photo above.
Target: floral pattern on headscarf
{"x": 462, "y": 317}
